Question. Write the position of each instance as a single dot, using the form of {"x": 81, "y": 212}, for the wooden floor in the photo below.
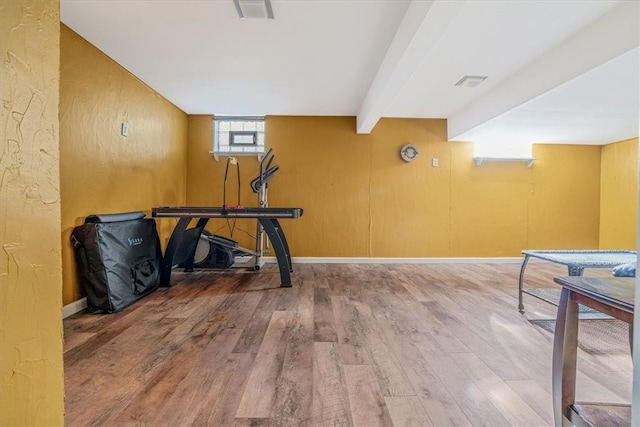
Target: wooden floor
{"x": 348, "y": 345}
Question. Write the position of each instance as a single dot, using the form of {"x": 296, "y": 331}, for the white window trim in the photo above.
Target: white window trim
{"x": 259, "y": 150}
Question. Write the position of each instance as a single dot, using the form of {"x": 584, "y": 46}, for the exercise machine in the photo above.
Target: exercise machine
{"x": 214, "y": 251}
{"x": 181, "y": 246}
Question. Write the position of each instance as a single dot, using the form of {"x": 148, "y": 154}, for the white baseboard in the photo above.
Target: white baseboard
{"x": 370, "y": 260}
{"x": 74, "y": 307}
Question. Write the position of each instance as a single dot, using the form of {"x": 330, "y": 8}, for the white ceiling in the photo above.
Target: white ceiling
{"x": 563, "y": 71}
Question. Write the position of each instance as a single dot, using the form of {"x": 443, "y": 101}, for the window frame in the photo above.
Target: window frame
{"x": 257, "y": 147}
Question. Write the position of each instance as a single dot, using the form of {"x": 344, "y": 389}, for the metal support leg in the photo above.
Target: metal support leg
{"x": 565, "y": 352}
{"x": 172, "y": 247}
{"x": 195, "y": 232}
{"x": 520, "y": 283}
{"x": 280, "y": 247}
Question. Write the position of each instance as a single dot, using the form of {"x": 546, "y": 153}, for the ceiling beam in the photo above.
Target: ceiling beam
{"x": 422, "y": 26}
{"x": 612, "y": 35}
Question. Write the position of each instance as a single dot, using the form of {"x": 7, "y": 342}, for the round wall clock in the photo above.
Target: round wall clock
{"x": 408, "y": 152}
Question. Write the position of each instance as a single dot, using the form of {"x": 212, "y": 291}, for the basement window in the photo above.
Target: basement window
{"x": 238, "y": 135}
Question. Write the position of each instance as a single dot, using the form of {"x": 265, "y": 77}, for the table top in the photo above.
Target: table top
{"x": 585, "y": 258}
{"x": 616, "y": 292}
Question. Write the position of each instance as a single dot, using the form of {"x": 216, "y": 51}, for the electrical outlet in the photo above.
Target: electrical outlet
{"x": 125, "y": 129}
{"x": 434, "y": 162}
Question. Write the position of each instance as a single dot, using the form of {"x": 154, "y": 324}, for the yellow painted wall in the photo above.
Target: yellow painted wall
{"x": 31, "y": 368}
{"x": 409, "y": 201}
{"x": 361, "y": 199}
{"x": 489, "y": 205}
{"x": 564, "y": 212}
{"x": 102, "y": 171}
{"x": 619, "y": 195}
{"x": 325, "y": 168}
{"x": 501, "y": 208}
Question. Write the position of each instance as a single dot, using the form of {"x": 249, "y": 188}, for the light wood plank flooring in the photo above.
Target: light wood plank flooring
{"x": 348, "y": 345}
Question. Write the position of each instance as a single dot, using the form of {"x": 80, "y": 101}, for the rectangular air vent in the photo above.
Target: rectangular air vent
{"x": 471, "y": 81}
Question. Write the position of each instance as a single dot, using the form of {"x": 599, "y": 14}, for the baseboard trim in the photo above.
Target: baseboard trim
{"x": 74, "y": 307}
{"x": 370, "y": 260}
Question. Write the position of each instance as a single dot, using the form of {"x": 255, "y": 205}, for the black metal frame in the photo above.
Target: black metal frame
{"x": 234, "y": 133}
{"x": 186, "y": 239}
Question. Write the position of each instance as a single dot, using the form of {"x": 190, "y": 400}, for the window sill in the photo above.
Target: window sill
{"x": 218, "y": 155}
{"x": 528, "y": 160}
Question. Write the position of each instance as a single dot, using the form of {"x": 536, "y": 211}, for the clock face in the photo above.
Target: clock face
{"x": 409, "y": 153}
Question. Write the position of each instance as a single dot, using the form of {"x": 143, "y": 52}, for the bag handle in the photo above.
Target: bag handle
{"x": 117, "y": 217}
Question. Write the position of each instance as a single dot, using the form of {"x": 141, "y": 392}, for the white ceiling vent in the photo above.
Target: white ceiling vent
{"x": 471, "y": 81}
{"x": 254, "y": 9}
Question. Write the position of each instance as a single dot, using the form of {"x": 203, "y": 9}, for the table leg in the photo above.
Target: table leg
{"x": 520, "y": 283}
{"x": 575, "y": 270}
{"x": 276, "y": 237}
{"x": 565, "y": 351}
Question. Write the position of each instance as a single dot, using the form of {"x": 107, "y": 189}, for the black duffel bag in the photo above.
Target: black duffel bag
{"x": 118, "y": 257}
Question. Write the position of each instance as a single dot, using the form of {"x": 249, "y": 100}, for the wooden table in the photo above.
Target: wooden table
{"x": 613, "y": 296}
